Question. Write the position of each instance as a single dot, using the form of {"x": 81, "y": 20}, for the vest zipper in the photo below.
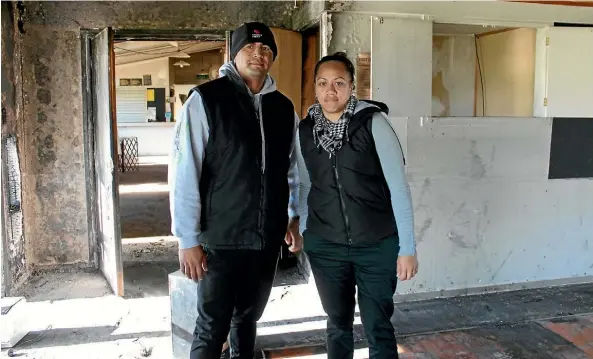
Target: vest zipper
{"x": 342, "y": 202}
{"x": 262, "y": 172}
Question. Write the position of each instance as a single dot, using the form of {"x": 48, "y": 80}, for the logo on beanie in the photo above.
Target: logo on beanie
{"x": 256, "y": 34}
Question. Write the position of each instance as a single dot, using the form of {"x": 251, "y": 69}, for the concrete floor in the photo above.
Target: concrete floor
{"x": 144, "y": 202}
{"x": 74, "y": 315}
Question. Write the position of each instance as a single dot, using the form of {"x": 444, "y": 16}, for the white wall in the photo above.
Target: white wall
{"x": 485, "y": 212}
{"x": 157, "y": 68}
{"x": 154, "y": 139}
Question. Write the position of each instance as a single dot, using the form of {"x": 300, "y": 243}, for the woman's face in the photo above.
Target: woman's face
{"x": 333, "y": 87}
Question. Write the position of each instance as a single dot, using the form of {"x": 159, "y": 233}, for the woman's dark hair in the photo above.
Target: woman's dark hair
{"x": 340, "y": 57}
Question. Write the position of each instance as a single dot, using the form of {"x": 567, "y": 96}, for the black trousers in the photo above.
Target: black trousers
{"x": 338, "y": 269}
{"x": 232, "y": 297}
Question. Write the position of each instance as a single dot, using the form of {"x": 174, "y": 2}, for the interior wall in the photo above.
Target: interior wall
{"x": 485, "y": 212}
{"x": 158, "y": 69}
{"x": 154, "y": 139}
{"x": 200, "y": 62}
{"x": 507, "y": 61}
{"x": 453, "y": 75}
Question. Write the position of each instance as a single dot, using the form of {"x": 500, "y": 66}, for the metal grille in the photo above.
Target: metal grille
{"x": 129, "y": 154}
{"x": 13, "y": 187}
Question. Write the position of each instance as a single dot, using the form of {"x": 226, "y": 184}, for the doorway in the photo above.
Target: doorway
{"x": 135, "y": 83}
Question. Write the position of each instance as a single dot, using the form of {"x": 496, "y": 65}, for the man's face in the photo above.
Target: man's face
{"x": 254, "y": 60}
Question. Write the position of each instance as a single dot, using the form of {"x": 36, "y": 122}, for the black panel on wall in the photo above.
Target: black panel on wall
{"x": 159, "y": 103}
{"x": 571, "y": 149}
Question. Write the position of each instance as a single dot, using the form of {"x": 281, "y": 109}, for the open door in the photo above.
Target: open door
{"x": 569, "y": 72}
{"x": 105, "y": 131}
{"x": 288, "y": 66}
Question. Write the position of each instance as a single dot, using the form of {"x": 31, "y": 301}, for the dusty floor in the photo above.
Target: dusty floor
{"x": 144, "y": 203}
{"x": 74, "y": 315}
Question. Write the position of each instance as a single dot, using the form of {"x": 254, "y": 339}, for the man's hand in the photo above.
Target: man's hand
{"x": 192, "y": 262}
{"x": 293, "y": 237}
{"x": 407, "y": 267}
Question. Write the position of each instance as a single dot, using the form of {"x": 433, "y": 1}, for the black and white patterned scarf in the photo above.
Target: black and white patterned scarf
{"x": 327, "y": 134}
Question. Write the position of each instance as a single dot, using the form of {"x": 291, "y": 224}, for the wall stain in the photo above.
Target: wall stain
{"x": 501, "y": 265}
{"x": 425, "y": 226}
{"x": 458, "y": 240}
{"x": 44, "y": 96}
{"x": 45, "y": 150}
{"x": 477, "y": 170}
{"x": 41, "y": 117}
{"x": 42, "y": 73}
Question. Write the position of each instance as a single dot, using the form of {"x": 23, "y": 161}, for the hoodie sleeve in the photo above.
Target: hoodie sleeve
{"x": 185, "y": 168}
{"x": 293, "y": 173}
{"x": 392, "y": 162}
{"x": 304, "y": 185}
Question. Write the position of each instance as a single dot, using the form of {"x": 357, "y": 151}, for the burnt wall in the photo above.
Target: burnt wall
{"x": 51, "y": 134}
{"x": 13, "y": 246}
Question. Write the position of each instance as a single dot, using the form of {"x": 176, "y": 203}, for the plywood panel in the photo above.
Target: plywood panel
{"x": 507, "y": 61}
{"x": 287, "y": 68}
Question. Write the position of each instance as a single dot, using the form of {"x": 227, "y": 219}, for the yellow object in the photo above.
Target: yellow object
{"x": 150, "y": 95}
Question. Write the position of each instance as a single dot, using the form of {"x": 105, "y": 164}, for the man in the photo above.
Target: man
{"x": 232, "y": 178}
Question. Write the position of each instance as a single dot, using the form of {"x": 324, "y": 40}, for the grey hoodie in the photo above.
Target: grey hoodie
{"x": 187, "y": 156}
{"x": 392, "y": 163}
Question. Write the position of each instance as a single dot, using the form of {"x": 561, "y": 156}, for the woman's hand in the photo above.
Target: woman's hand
{"x": 293, "y": 237}
{"x": 407, "y": 267}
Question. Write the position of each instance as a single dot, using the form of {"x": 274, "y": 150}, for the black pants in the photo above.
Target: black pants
{"x": 338, "y": 269}
{"x": 231, "y": 299}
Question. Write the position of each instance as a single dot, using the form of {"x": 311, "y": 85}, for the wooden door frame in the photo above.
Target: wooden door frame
{"x": 87, "y": 112}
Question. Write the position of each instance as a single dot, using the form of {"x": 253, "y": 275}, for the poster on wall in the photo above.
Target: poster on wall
{"x": 147, "y": 80}
{"x": 135, "y": 82}
{"x": 151, "y": 114}
{"x": 363, "y": 77}
{"x": 124, "y": 82}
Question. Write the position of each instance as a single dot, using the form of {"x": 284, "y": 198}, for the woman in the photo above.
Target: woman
{"x": 359, "y": 230}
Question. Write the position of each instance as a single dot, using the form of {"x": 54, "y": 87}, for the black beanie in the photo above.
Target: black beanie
{"x": 252, "y": 32}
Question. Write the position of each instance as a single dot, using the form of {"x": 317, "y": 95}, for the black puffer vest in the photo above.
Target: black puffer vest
{"x": 349, "y": 201}
{"x": 244, "y": 206}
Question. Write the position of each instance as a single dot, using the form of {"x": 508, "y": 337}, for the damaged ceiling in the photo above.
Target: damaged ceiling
{"x": 133, "y": 51}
